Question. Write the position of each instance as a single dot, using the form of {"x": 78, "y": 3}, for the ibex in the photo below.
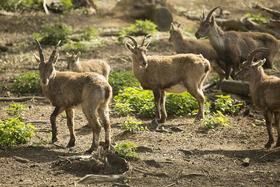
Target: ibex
{"x": 233, "y": 47}
{"x": 264, "y": 90}
{"x": 66, "y": 90}
{"x": 174, "y": 73}
{"x": 94, "y": 65}
{"x": 189, "y": 45}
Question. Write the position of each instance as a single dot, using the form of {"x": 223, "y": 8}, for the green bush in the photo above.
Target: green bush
{"x": 89, "y": 33}
{"x": 15, "y": 110}
{"x": 133, "y": 125}
{"x": 141, "y": 102}
{"x": 52, "y": 34}
{"x": 215, "y": 120}
{"x": 13, "y": 131}
{"x": 140, "y": 27}
{"x": 67, "y": 4}
{"x": 12, "y": 5}
{"x": 226, "y": 104}
{"x": 258, "y": 17}
{"x": 122, "y": 79}
{"x": 27, "y": 83}
{"x": 126, "y": 149}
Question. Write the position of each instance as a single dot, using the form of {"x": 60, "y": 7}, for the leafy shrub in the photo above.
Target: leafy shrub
{"x": 140, "y": 27}
{"x": 226, "y": 104}
{"x": 141, "y": 102}
{"x": 214, "y": 120}
{"x": 27, "y": 83}
{"x": 15, "y": 110}
{"x": 13, "y": 131}
{"x": 89, "y": 33}
{"x": 126, "y": 149}
{"x": 52, "y": 34}
{"x": 122, "y": 79}
{"x": 12, "y": 5}
{"x": 133, "y": 125}
{"x": 258, "y": 17}
{"x": 67, "y": 4}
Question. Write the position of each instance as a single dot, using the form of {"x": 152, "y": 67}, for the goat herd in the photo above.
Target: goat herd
{"x": 239, "y": 55}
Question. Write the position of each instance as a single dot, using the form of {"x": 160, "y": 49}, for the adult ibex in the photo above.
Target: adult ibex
{"x": 233, "y": 47}
{"x": 174, "y": 73}
{"x": 66, "y": 90}
{"x": 189, "y": 45}
{"x": 264, "y": 90}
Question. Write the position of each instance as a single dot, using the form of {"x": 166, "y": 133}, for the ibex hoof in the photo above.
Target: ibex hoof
{"x": 277, "y": 144}
{"x": 198, "y": 117}
{"x": 162, "y": 120}
{"x": 70, "y": 144}
{"x": 268, "y": 145}
{"x": 54, "y": 139}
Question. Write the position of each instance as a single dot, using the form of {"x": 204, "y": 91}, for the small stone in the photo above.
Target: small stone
{"x": 246, "y": 162}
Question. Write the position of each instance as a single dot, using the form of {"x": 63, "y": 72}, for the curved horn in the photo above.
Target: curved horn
{"x": 252, "y": 55}
{"x": 133, "y": 40}
{"x": 211, "y": 12}
{"x": 54, "y": 51}
{"x": 41, "y": 55}
{"x": 144, "y": 39}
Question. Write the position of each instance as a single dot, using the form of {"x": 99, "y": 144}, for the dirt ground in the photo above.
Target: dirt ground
{"x": 184, "y": 155}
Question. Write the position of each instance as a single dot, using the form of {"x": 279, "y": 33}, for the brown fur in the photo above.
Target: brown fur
{"x": 233, "y": 47}
{"x": 94, "y": 65}
{"x": 189, "y": 45}
{"x": 66, "y": 90}
{"x": 162, "y": 73}
{"x": 264, "y": 90}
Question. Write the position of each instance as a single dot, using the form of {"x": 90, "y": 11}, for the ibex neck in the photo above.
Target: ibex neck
{"x": 216, "y": 37}
{"x": 256, "y": 78}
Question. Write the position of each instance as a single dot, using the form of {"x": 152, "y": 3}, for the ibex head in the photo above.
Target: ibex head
{"x": 251, "y": 67}
{"x": 139, "y": 51}
{"x": 174, "y": 30}
{"x": 46, "y": 68}
{"x": 206, "y": 24}
{"x": 72, "y": 58}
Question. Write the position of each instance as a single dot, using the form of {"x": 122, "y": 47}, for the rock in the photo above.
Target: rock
{"x": 144, "y": 149}
{"x": 21, "y": 160}
{"x": 246, "y": 162}
{"x": 152, "y": 163}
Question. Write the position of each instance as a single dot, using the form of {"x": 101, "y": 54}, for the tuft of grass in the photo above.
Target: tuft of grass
{"x": 258, "y": 17}
{"x": 215, "y": 120}
{"x": 13, "y": 5}
{"x": 140, "y": 27}
{"x": 122, "y": 79}
{"x": 133, "y": 125}
{"x": 135, "y": 101}
{"x": 89, "y": 33}
{"x": 15, "y": 110}
{"x": 126, "y": 149}
{"x": 27, "y": 83}
{"x": 83, "y": 46}
{"x": 226, "y": 104}
{"x": 52, "y": 34}
{"x": 67, "y": 4}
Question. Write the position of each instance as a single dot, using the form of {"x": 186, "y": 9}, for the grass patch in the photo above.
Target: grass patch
{"x": 226, "y": 104}
{"x": 27, "y": 83}
{"x": 13, "y": 5}
{"x": 126, "y": 149}
{"x": 82, "y": 46}
{"x": 135, "y": 101}
{"x": 140, "y": 27}
{"x": 52, "y": 34}
{"x": 258, "y": 17}
{"x": 122, "y": 79}
{"x": 215, "y": 120}
{"x": 15, "y": 110}
{"x": 133, "y": 125}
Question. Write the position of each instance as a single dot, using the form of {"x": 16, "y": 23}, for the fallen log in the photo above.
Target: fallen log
{"x": 235, "y": 87}
{"x": 274, "y": 13}
{"x": 22, "y": 99}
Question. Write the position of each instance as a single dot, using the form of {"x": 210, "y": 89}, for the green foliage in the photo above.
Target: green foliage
{"x": 122, "y": 79}
{"x": 141, "y": 102}
{"x": 15, "y": 110}
{"x": 215, "y": 120}
{"x": 133, "y": 125}
{"x": 134, "y": 101}
{"x": 52, "y": 34}
{"x": 27, "y": 83}
{"x": 13, "y": 131}
{"x": 126, "y": 149}
{"x": 12, "y": 5}
{"x": 89, "y": 33}
{"x": 226, "y": 104}
{"x": 258, "y": 17}
{"x": 67, "y": 4}
{"x": 140, "y": 27}
{"x": 82, "y": 46}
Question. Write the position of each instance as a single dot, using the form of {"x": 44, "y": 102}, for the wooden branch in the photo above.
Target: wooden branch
{"x": 91, "y": 178}
{"x": 5, "y": 13}
{"x": 275, "y": 13}
{"x": 22, "y": 99}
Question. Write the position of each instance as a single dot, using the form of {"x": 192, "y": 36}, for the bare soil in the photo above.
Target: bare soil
{"x": 185, "y": 154}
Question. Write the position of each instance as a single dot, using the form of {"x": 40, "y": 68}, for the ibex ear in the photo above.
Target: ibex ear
{"x": 56, "y": 58}
{"x": 129, "y": 47}
{"x": 37, "y": 58}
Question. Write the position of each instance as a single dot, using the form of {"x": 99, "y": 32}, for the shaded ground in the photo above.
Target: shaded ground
{"x": 191, "y": 157}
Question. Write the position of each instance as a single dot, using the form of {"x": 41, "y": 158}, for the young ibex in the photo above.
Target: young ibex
{"x": 233, "y": 47}
{"x": 188, "y": 45}
{"x": 264, "y": 90}
{"x": 66, "y": 90}
{"x": 95, "y": 65}
{"x": 175, "y": 73}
